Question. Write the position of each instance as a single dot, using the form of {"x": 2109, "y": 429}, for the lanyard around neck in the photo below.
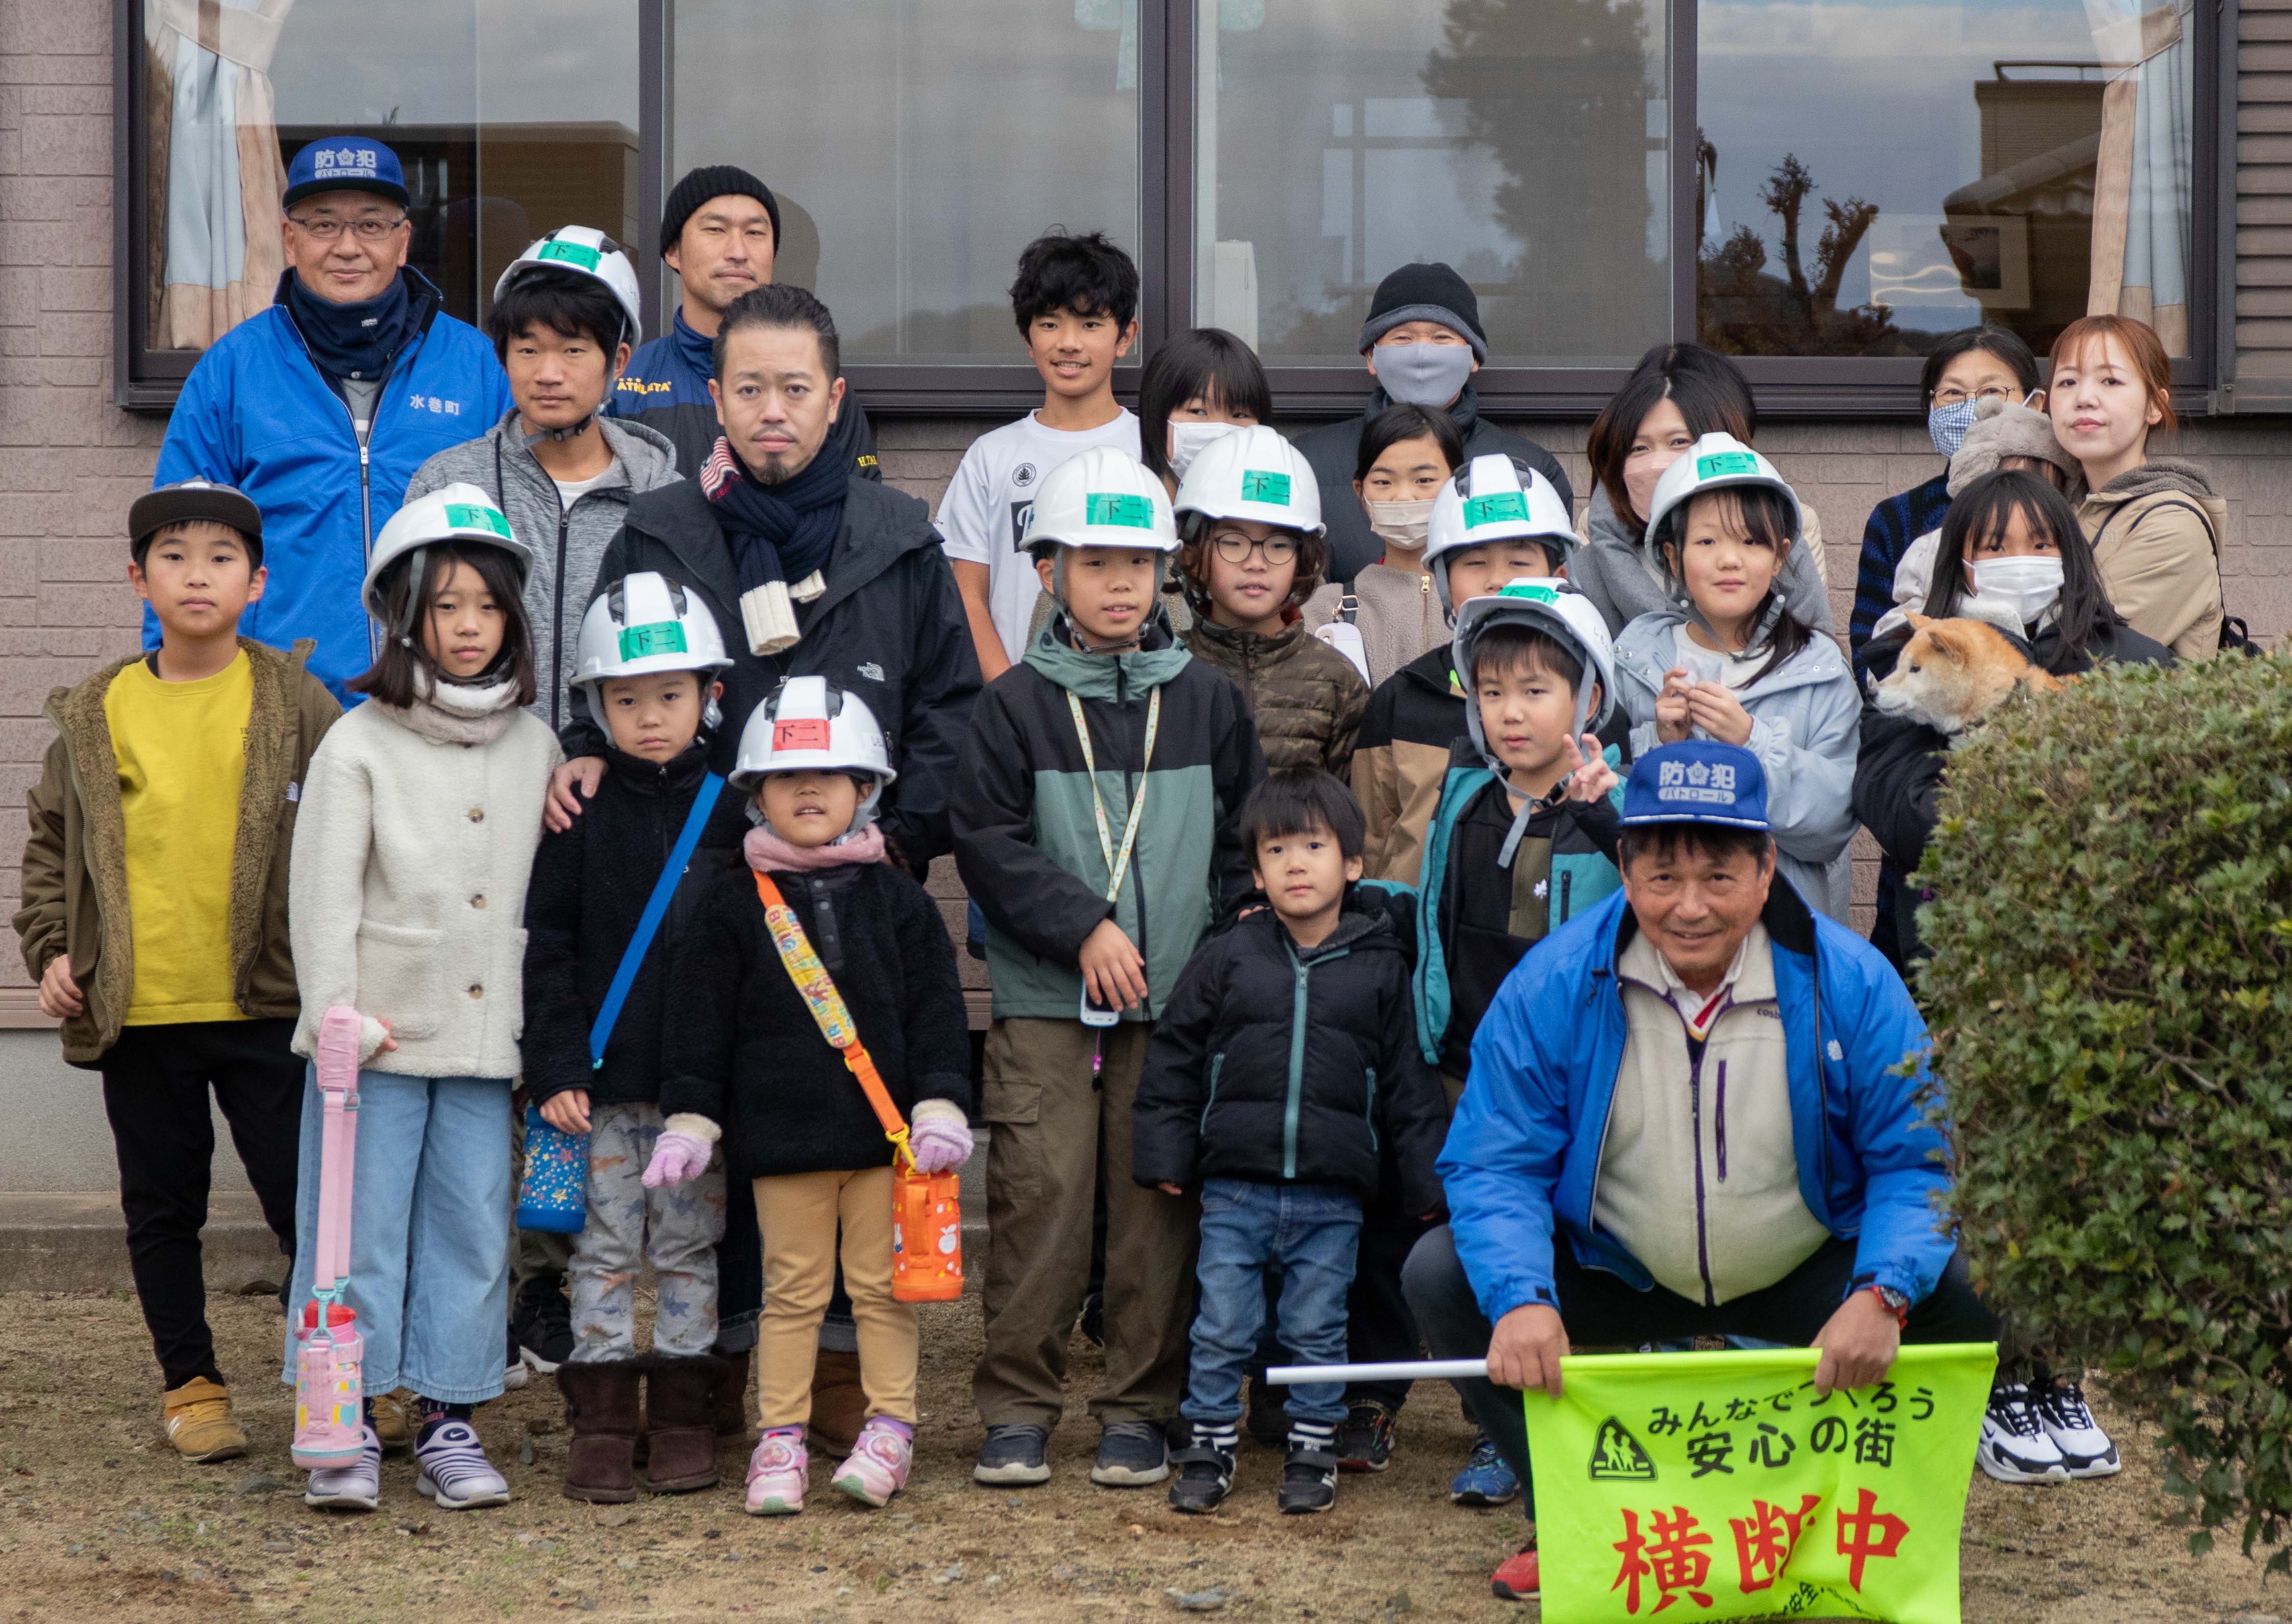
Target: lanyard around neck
{"x": 1117, "y": 865}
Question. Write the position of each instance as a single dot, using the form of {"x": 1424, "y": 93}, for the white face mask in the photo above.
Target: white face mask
{"x": 2029, "y": 586}
{"x": 1188, "y": 440}
{"x": 1400, "y": 524}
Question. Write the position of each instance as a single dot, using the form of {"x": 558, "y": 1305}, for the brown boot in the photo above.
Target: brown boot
{"x": 732, "y": 1400}
{"x": 680, "y": 1422}
{"x": 839, "y": 1405}
{"x": 601, "y": 1406}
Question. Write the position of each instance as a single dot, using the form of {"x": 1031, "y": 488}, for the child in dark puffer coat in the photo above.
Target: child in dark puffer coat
{"x": 1286, "y": 1076}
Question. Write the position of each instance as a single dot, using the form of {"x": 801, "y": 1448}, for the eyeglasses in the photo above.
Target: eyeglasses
{"x": 1958, "y": 396}
{"x": 326, "y": 228}
{"x": 1234, "y": 547}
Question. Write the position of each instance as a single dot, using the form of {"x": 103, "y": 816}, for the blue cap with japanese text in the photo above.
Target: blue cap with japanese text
{"x": 1699, "y": 781}
{"x": 344, "y": 163}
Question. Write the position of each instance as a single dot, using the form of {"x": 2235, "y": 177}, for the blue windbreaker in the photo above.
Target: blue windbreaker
{"x": 256, "y": 413}
{"x": 1524, "y": 1152}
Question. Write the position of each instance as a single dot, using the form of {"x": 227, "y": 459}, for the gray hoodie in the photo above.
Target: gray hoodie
{"x": 1610, "y": 569}
{"x": 566, "y": 542}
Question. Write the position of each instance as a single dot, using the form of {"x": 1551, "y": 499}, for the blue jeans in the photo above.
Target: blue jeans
{"x": 1310, "y": 1232}
{"x": 430, "y": 1231}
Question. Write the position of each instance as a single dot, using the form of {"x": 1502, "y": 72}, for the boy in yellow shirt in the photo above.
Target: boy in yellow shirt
{"x": 154, "y": 912}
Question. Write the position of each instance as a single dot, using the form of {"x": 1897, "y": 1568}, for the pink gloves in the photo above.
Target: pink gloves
{"x": 939, "y": 1138}
{"x": 678, "y": 1155}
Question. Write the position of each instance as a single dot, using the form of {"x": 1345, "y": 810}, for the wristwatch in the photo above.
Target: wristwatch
{"x": 1898, "y": 1303}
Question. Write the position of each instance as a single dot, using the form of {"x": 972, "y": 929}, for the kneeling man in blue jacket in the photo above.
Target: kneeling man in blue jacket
{"x": 1685, "y": 1117}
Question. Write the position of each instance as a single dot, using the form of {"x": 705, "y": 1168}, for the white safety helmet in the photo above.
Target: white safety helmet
{"x": 644, "y": 623}
{"x": 1551, "y": 606}
{"x": 462, "y": 515}
{"x": 1713, "y": 463}
{"x": 582, "y": 251}
{"x": 1101, "y": 497}
{"x": 810, "y": 725}
{"x": 1252, "y": 473}
{"x": 1495, "y": 498}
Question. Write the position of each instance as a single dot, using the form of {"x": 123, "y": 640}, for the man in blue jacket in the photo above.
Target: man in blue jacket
{"x": 322, "y": 408}
{"x": 1684, "y": 1119}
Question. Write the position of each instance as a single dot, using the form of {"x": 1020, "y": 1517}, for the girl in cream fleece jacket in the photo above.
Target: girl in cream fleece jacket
{"x": 416, "y": 837}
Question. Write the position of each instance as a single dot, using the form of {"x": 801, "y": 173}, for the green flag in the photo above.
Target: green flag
{"x": 1719, "y": 1486}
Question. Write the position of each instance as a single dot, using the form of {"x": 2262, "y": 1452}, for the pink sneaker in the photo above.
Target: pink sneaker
{"x": 777, "y": 1473}
{"x": 878, "y": 1467}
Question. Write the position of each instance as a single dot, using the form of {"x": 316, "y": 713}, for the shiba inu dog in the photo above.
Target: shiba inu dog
{"x": 1952, "y": 672}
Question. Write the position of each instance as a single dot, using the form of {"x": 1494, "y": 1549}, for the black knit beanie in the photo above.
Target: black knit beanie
{"x": 716, "y": 181}
{"x": 1422, "y": 293}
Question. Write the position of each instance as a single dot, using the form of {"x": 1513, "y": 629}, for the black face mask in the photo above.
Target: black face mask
{"x": 353, "y": 341}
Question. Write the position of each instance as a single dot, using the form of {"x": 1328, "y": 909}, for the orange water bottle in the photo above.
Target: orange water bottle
{"x": 926, "y": 1233}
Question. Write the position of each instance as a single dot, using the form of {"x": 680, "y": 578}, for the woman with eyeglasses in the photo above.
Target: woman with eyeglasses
{"x": 1249, "y": 514}
{"x": 1966, "y": 370}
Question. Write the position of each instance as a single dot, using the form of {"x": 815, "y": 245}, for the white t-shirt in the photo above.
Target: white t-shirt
{"x": 980, "y": 515}
{"x": 569, "y": 491}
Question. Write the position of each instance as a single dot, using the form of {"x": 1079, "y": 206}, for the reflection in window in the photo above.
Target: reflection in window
{"x": 916, "y": 148}
{"x": 1872, "y": 174}
{"x": 1523, "y": 141}
{"x": 472, "y": 95}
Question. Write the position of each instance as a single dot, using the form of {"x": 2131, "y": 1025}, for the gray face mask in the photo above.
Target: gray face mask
{"x": 1423, "y": 374}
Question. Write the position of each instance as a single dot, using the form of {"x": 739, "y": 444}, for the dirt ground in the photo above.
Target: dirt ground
{"x": 99, "y": 1520}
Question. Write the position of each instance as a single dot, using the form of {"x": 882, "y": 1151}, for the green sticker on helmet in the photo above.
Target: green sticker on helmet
{"x": 657, "y": 637}
{"x": 1498, "y": 504}
{"x": 471, "y": 516}
{"x": 1261, "y": 485}
{"x": 1725, "y": 464}
{"x": 570, "y": 254}
{"x": 1129, "y": 512}
{"x": 1531, "y": 591}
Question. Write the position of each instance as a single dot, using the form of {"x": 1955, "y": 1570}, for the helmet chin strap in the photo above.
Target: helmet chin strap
{"x": 1137, "y": 641}
{"x": 571, "y": 432}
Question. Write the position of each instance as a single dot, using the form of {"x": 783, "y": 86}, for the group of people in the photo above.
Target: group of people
{"x": 1269, "y": 766}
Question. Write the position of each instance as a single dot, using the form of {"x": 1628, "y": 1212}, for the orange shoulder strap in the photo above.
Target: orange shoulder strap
{"x": 827, "y": 1007}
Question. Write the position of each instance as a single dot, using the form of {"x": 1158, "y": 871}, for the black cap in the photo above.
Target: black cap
{"x": 194, "y": 499}
{"x": 1425, "y": 293}
{"x": 713, "y": 181}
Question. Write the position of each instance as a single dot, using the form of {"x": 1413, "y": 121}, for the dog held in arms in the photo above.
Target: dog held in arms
{"x": 1953, "y": 673}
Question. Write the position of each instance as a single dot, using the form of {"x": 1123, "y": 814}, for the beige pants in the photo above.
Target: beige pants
{"x": 798, "y": 1215}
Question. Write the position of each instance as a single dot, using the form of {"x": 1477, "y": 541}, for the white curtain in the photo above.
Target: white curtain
{"x": 215, "y": 162}
{"x": 2141, "y": 225}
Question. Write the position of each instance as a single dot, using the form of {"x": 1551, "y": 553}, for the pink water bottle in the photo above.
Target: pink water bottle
{"x": 329, "y": 1388}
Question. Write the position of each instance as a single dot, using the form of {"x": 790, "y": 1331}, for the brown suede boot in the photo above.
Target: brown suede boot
{"x": 680, "y": 1423}
{"x": 731, "y": 1399}
{"x": 839, "y": 1405}
{"x": 600, "y": 1406}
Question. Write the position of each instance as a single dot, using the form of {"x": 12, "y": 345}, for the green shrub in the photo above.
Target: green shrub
{"x": 2111, "y": 993}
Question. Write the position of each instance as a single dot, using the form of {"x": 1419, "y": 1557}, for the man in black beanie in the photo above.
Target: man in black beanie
{"x": 1422, "y": 342}
{"x": 720, "y": 230}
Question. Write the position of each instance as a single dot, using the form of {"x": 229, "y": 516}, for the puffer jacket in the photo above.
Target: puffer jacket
{"x": 568, "y": 543}
{"x": 1275, "y": 1065}
{"x": 1805, "y": 721}
{"x": 1612, "y": 570}
{"x": 1305, "y": 697}
{"x": 1401, "y": 757}
{"x": 74, "y": 897}
{"x": 2156, "y": 532}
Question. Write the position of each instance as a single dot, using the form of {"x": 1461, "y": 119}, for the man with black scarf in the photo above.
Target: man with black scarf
{"x": 321, "y": 407}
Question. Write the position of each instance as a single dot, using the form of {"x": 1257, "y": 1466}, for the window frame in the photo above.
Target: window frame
{"x": 1793, "y": 386}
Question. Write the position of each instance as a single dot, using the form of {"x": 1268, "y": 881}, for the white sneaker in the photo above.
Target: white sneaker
{"x": 2014, "y": 1448}
{"x": 356, "y": 1487}
{"x": 2084, "y": 1449}
{"x": 455, "y": 1471}
{"x": 514, "y": 1366}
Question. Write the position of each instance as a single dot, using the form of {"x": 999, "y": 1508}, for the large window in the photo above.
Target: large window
{"x": 1821, "y": 186}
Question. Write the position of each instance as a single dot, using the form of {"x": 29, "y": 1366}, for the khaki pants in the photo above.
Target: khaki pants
{"x": 798, "y": 1215}
{"x": 1059, "y": 1134}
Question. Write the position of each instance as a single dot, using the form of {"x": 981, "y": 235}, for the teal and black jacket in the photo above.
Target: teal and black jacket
{"x": 1476, "y": 918}
{"x": 1274, "y": 1065}
{"x": 1026, "y": 838}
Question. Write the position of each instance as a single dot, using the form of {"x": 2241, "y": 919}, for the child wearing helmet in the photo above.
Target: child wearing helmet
{"x": 412, "y": 853}
{"x": 747, "y": 1066}
{"x": 1250, "y": 516}
{"x": 647, "y": 671}
{"x": 1096, "y": 813}
{"x": 1496, "y": 521}
{"x": 1728, "y": 660}
{"x": 565, "y": 313}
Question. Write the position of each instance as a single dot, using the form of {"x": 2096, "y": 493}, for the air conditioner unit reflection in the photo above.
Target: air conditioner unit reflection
{"x": 1233, "y": 290}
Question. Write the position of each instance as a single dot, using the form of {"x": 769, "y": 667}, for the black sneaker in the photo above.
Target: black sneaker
{"x": 1013, "y": 1458}
{"x": 1205, "y": 1478}
{"x": 1365, "y": 1442}
{"x": 1309, "y": 1481}
{"x": 541, "y": 1325}
{"x": 1131, "y": 1455}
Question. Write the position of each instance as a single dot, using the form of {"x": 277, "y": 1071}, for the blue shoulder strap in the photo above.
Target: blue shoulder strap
{"x": 704, "y": 801}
